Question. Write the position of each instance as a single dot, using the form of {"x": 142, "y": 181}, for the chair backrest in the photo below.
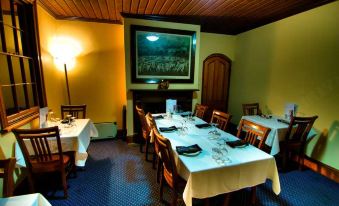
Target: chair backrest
{"x": 169, "y": 168}
{"x": 251, "y": 109}
{"x": 77, "y": 111}
{"x": 6, "y": 173}
{"x": 220, "y": 118}
{"x": 144, "y": 126}
{"x": 37, "y": 148}
{"x": 254, "y": 134}
{"x": 299, "y": 128}
{"x": 200, "y": 110}
{"x": 152, "y": 126}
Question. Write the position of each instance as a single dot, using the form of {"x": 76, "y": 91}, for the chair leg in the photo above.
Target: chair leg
{"x": 146, "y": 150}
{"x": 64, "y": 183}
{"x": 284, "y": 161}
{"x": 159, "y": 169}
{"x": 161, "y": 188}
{"x": 31, "y": 183}
{"x": 253, "y": 195}
{"x": 140, "y": 147}
{"x": 227, "y": 198}
{"x": 301, "y": 161}
{"x": 175, "y": 198}
{"x": 154, "y": 160}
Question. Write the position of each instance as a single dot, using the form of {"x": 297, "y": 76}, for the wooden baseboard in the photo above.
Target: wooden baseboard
{"x": 321, "y": 168}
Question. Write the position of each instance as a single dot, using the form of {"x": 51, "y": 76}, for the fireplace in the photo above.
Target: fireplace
{"x": 154, "y": 101}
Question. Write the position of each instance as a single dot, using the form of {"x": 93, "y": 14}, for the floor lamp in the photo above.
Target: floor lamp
{"x": 67, "y": 85}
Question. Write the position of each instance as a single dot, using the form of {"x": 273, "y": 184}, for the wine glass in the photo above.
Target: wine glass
{"x": 214, "y": 134}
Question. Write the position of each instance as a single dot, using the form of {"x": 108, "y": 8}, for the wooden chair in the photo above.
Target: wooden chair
{"x": 6, "y": 173}
{"x": 169, "y": 172}
{"x": 39, "y": 158}
{"x": 295, "y": 139}
{"x": 256, "y": 135}
{"x": 251, "y": 109}
{"x": 200, "y": 111}
{"x": 145, "y": 130}
{"x": 157, "y": 162}
{"x": 77, "y": 111}
{"x": 220, "y": 118}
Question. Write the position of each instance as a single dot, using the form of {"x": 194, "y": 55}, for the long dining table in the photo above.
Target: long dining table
{"x": 206, "y": 177}
{"x": 75, "y": 137}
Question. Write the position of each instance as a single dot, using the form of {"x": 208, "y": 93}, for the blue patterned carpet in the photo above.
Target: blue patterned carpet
{"x": 117, "y": 174}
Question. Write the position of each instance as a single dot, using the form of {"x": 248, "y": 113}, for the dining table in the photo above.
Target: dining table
{"x": 278, "y": 126}
{"x": 35, "y": 199}
{"x": 74, "y": 137}
{"x": 207, "y": 174}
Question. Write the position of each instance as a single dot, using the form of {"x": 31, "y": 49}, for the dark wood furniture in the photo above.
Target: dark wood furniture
{"x": 157, "y": 162}
{"x": 253, "y": 133}
{"x": 220, "y": 118}
{"x": 145, "y": 130}
{"x": 77, "y": 111}
{"x": 251, "y": 109}
{"x": 6, "y": 173}
{"x": 256, "y": 135}
{"x": 215, "y": 83}
{"x": 36, "y": 149}
{"x": 295, "y": 139}
{"x": 200, "y": 111}
{"x": 169, "y": 172}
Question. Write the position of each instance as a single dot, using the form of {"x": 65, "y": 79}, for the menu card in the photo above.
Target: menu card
{"x": 290, "y": 107}
{"x": 170, "y": 105}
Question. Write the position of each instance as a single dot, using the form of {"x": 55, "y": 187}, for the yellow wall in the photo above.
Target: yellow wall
{"x": 98, "y": 77}
{"x": 214, "y": 43}
{"x": 293, "y": 60}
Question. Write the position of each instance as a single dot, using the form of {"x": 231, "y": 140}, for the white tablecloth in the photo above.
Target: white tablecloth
{"x": 35, "y": 199}
{"x": 249, "y": 166}
{"x": 75, "y": 138}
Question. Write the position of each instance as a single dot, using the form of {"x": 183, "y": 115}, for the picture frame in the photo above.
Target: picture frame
{"x": 159, "y": 54}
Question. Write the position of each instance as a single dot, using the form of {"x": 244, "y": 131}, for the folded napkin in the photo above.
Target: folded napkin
{"x": 188, "y": 149}
{"x": 158, "y": 117}
{"x": 283, "y": 121}
{"x": 202, "y": 125}
{"x": 167, "y": 129}
{"x": 184, "y": 115}
{"x": 237, "y": 143}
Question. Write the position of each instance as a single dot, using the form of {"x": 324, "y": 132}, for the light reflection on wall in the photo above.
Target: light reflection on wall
{"x": 64, "y": 49}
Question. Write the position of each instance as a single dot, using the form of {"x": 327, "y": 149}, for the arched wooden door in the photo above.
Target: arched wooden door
{"x": 215, "y": 82}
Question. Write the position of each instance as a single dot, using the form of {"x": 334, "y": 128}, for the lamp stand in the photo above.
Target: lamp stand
{"x": 68, "y": 93}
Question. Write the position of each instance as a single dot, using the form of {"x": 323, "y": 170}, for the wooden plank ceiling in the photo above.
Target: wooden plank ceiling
{"x": 215, "y": 16}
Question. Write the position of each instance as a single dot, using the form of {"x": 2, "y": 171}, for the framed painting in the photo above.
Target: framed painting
{"x": 162, "y": 54}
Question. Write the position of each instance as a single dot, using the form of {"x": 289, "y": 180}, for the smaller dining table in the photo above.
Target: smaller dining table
{"x": 278, "y": 126}
{"x": 75, "y": 137}
{"x": 206, "y": 177}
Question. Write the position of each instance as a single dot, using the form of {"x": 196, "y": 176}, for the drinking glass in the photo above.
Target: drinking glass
{"x": 214, "y": 134}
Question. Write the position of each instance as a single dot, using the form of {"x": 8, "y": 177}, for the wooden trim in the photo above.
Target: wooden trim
{"x": 20, "y": 123}
{"x": 321, "y": 168}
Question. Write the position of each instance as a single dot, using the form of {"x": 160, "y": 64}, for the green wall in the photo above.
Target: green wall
{"x": 293, "y": 60}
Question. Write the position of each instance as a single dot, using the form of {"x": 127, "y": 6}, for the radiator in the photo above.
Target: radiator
{"x": 106, "y": 130}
